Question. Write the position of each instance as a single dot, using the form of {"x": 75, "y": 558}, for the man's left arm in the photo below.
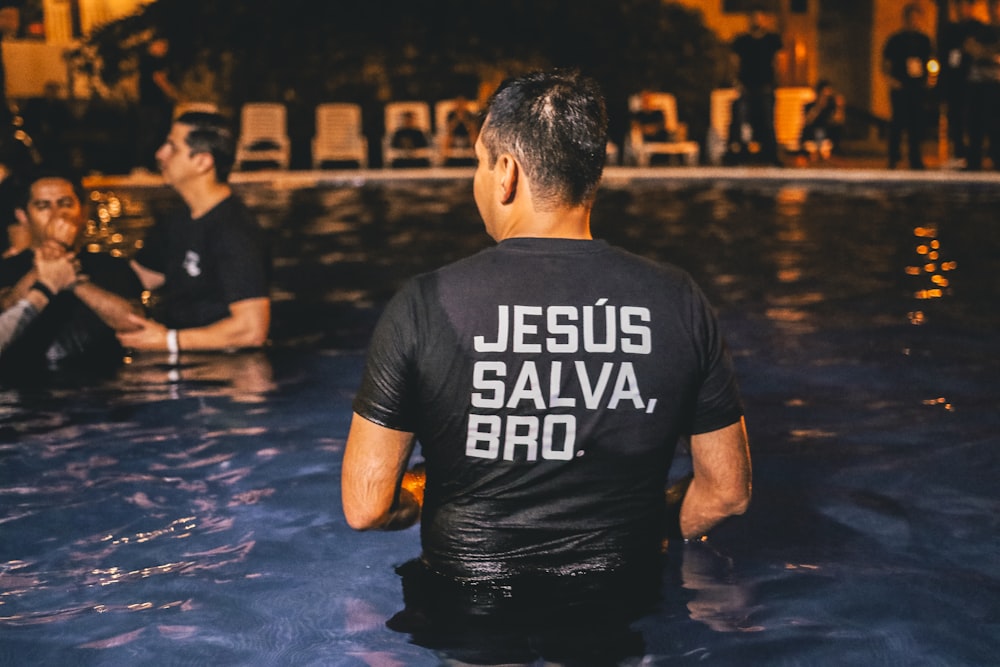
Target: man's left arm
{"x": 114, "y": 310}
{"x": 372, "y": 487}
{"x": 246, "y": 327}
{"x": 722, "y": 481}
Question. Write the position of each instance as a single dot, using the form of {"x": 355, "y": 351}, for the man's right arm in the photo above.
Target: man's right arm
{"x": 722, "y": 479}
{"x": 373, "y": 491}
{"x": 149, "y": 278}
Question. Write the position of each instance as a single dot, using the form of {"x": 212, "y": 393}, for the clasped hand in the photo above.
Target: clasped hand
{"x": 56, "y": 267}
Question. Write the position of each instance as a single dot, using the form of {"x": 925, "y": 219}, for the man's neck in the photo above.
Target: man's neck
{"x": 562, "y": 223}
{"x": 202, "y": 197}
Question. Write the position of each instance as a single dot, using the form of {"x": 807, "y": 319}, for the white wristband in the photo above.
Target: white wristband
{"x": 172, "y": 346}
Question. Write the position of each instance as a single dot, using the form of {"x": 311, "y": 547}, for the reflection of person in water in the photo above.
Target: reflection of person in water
{"x": 548, "y": 406}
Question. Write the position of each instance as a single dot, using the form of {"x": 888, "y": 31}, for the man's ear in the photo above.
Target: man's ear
{"x": 510, "y": 171}
{"x": 22, "y": 217}
{"x": 204, "y": 161}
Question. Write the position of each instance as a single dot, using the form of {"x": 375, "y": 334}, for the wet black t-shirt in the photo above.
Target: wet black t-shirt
{"x": 548, "y": 382}
{"x": 67, "y": 329}
{"x": 208, "y": 263}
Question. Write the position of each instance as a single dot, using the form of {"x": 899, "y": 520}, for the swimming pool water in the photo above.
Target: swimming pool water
{"x": 182, "y": 515}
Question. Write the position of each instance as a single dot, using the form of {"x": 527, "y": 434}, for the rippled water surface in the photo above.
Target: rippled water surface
{"x": 190, "y": 514}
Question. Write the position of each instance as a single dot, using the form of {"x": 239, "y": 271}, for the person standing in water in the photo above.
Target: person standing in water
{"x": 548, "y": 405}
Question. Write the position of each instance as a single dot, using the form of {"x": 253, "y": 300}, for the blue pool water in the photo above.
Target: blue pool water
{"x": 189, "y": 515}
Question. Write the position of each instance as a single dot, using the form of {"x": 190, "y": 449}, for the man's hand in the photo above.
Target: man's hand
{"x": 55, "y": 267}
{"x": 148, "y": 334}
{"x": 64, "y": 232}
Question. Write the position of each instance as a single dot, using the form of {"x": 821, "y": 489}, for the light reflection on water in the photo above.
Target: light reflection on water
{"x": 192, "y": 511}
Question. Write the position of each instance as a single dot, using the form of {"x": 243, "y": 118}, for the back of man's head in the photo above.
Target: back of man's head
{"x": 555, "y": 125}
{"x": 211, "y": 133}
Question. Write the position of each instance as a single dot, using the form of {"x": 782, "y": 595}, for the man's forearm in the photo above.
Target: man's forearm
{"x": 702, "y": 510}
{"x": 111, "y": 308}
{"x": 246, "y": 327}
{"x": 16, "y": 319}
{"x": 19, "y": 290}
{"x": 721, "y": 480}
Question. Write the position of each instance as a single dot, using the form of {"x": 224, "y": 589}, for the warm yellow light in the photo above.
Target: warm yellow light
{"x": 930, "y": 267}
{"x": 922, "y": 250}
{"x": 932, "y": 255}
{"x": 913, "y": 270}
{"x": 940, "y": 281}
{"x": 933, "y": 66}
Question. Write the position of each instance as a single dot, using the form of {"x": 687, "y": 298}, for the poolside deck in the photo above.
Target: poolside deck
{"x": 863, "y": 163}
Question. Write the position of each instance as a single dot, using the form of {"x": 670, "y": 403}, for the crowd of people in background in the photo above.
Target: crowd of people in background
{"x": 968, "y": 90}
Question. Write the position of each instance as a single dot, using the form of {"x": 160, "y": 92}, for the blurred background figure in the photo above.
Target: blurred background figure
{"x": 157, "y": 97}
{"x": 10, "y": 23}
{"x": 409, "y": 137}
{"x": 47, "y": 120}
{"x": 462, "y": 128}
{"x": 649, "y": 121}
{"x": 904, "y": 59}
{"x": 954, "y": 82}
{"x": 983, "y": 45}
{"x": 753, "y": 111}
{"x": 823, "y": 122}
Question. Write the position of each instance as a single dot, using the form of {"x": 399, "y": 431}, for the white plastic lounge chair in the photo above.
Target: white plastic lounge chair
{"x": 639, "y": 151}
{"x": 338, "y": 135}
{"x": 263, "y": 135}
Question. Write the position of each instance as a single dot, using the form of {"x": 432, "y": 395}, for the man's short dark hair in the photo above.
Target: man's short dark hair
{"x": 211, "y": 133}
{"x": 555, "y": 124}
{"x": 26, "y": 180}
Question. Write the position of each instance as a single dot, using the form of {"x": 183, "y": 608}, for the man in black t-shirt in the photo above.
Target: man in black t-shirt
{"x": 79, "y": 323}
{"x": 954, "y": 80}
{"x": 905, "y": 56}
{"x": 983, "y": 45}
{"x": 209, "y": 265}
{"x": 755, "y": 51}
{"x": 548, "y": 380}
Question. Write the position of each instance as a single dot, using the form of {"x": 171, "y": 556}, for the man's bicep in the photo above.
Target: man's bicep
{"x": 375, "y": 458}
{"x": 721, "y": 458}
{"x": 254, "y": 317}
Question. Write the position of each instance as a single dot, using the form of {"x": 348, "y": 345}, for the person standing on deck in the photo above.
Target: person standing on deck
{"x": 755, "y": 51}
{"x": 904, "y": 60}
{"x": 548, "y": 404}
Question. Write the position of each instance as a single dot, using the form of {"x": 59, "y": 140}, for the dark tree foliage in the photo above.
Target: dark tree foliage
{"x": 427, "y": 49}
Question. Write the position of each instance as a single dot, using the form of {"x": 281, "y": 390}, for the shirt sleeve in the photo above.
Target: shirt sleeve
{"x": 14, "y": 321}
{"x": 243, "y": 260}
{"x": 386, "y": 393}
{"x": 719, "y": 403}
